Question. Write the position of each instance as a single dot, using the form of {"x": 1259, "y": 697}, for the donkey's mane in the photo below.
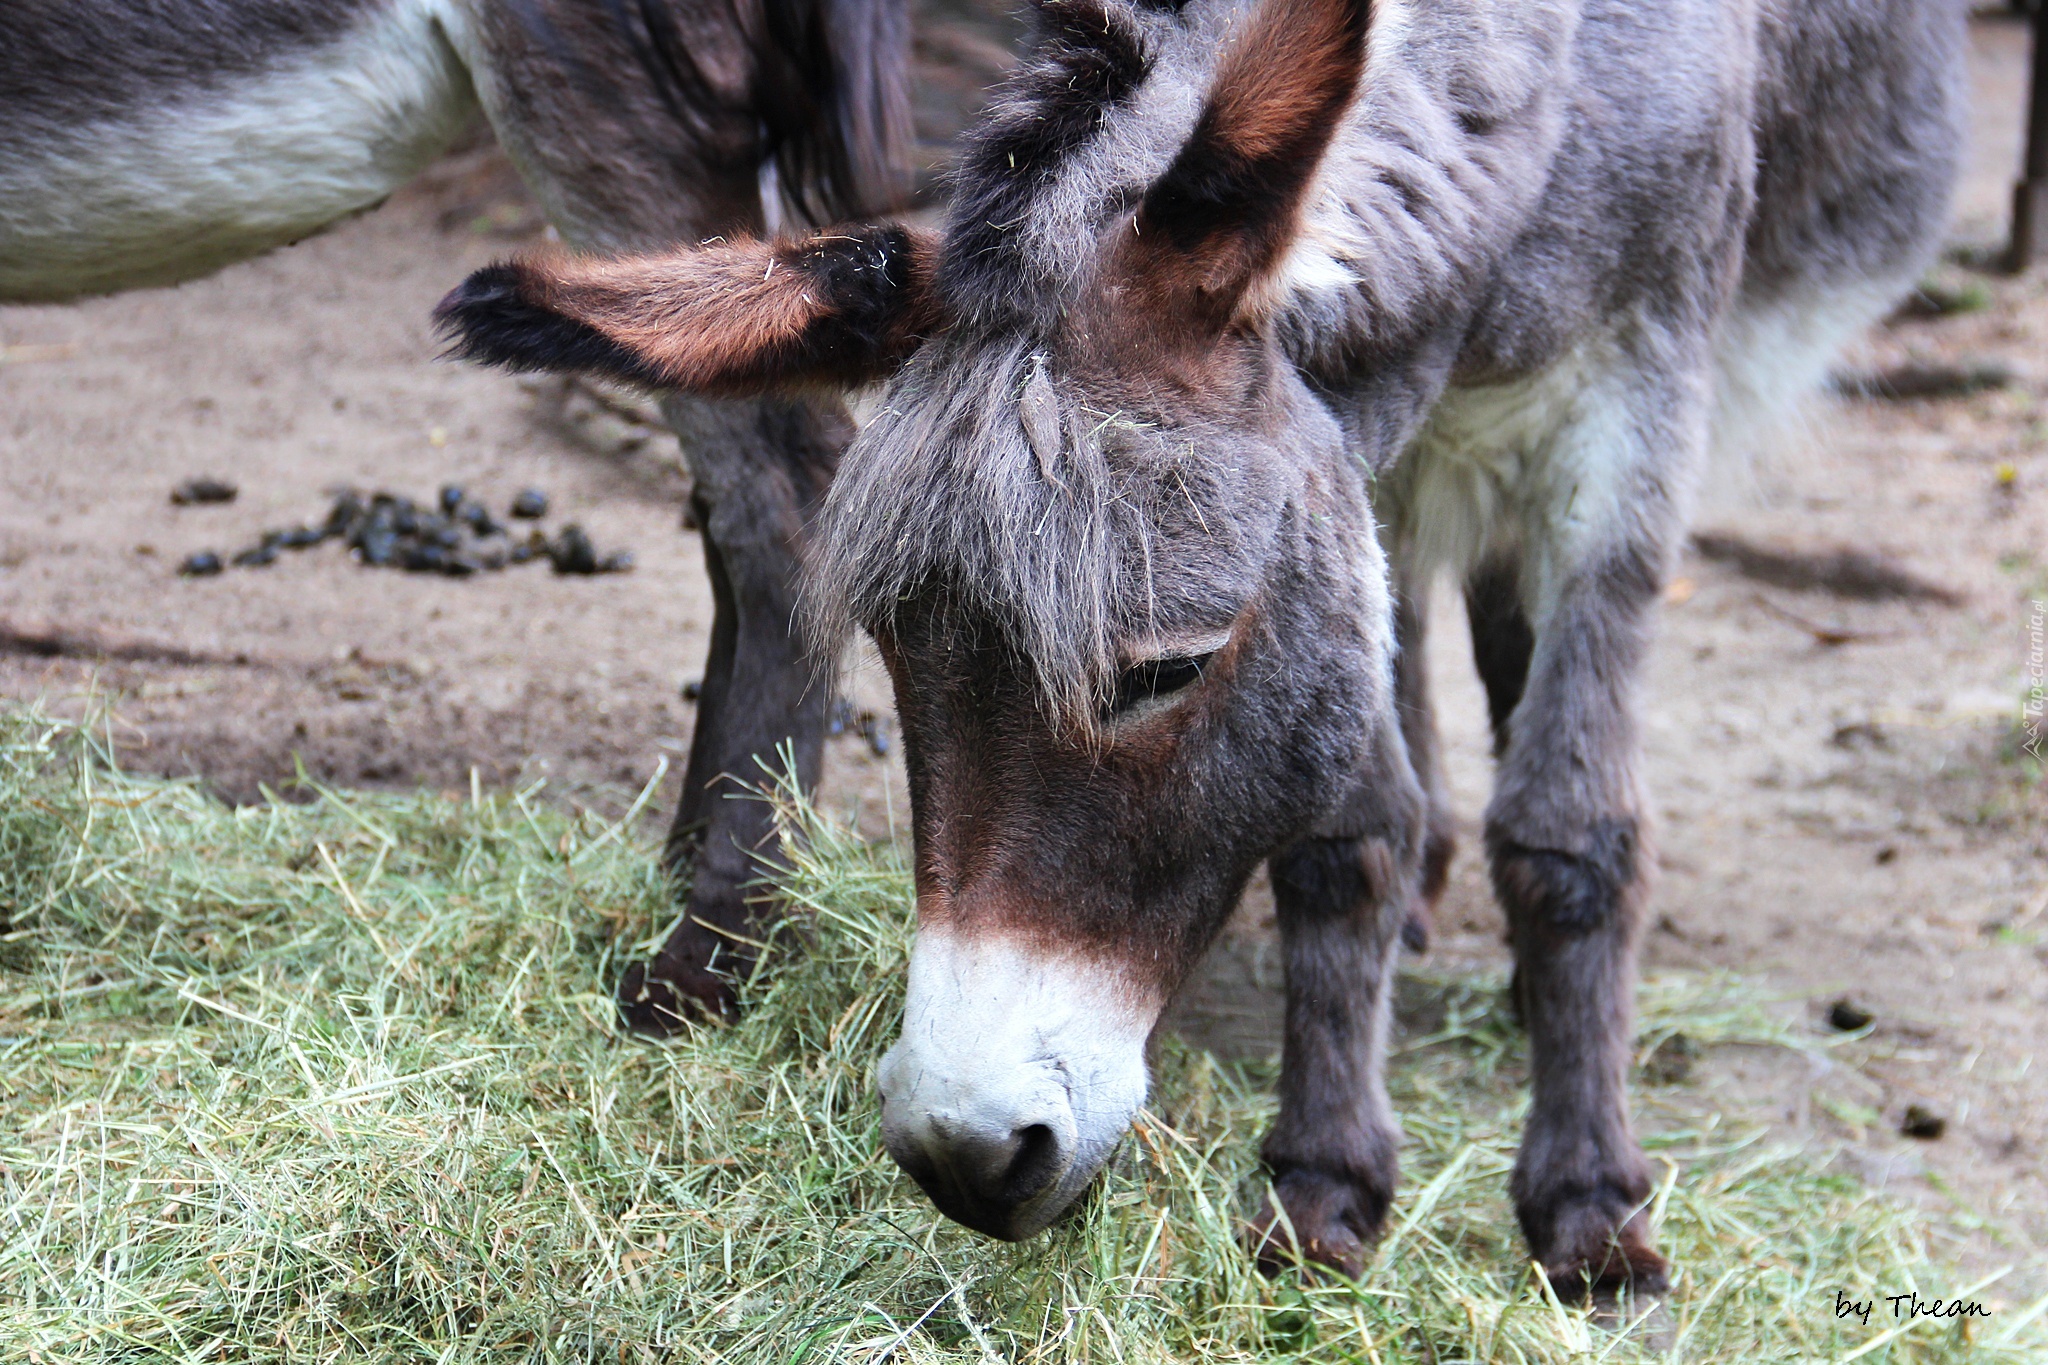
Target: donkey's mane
{"x": 1086, "y": 60}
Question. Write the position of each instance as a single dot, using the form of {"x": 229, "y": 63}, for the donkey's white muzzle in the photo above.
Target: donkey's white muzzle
{"x": 1015, "y": 1076}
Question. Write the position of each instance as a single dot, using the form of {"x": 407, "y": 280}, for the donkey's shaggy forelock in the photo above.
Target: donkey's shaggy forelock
{"x": 1047, "y": 514}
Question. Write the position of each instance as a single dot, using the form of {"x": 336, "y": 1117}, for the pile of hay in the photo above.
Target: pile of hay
{"x": 340, "y": 1081}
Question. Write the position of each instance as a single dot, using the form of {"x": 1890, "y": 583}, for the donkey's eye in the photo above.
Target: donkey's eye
{"x": 1157, "y": 678}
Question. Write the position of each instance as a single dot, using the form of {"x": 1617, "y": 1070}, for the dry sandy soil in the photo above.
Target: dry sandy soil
{"x": 1855, "y": 817}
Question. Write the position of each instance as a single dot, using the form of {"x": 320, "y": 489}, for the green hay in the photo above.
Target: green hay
{"x": 340, "y": 1081}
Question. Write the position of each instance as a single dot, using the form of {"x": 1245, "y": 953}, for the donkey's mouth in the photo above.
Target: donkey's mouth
{"x": 1014, "y": 1079}
{"x": 1007, "y": 1186}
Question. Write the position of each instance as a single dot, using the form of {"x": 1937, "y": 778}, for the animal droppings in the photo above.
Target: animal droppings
{"x": 572, "y": 552}
{"x": 1923, "y": 1123}
{"x": 1671, "y": 1062}
{"x": 455, "y": 536}
{"x": 197, "y": 492}
{"x": 1848, "y": 1016}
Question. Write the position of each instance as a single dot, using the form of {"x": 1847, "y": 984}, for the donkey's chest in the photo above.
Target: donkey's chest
{"x": 184, "y": 181}
{"x": 1497, "y": 463}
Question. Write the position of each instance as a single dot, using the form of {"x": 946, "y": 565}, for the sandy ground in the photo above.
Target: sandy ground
{"x": 1851, "y": 818}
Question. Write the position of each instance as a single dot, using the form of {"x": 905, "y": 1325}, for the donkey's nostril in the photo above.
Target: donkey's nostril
{"x": 989, "y": 1175}
{"x": 1037, "y": 1164}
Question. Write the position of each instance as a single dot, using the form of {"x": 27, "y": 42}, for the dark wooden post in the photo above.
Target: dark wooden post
{"x": 2030, "y": 198}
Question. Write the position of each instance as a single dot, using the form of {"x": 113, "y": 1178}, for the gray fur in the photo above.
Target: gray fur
{"x": 67, "y": 62}
{"x": 153, "y": 142}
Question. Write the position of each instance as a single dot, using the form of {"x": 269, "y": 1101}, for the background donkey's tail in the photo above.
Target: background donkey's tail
{"x": 828, "y": 86}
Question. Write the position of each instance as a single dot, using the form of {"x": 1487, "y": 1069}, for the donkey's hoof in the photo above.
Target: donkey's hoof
{"x": 1603, "y": 1267}
{"x": 1330, "y": 1221}
{"x": 666, "y": 995}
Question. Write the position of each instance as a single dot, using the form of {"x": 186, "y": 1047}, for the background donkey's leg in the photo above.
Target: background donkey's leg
{"x": 761, "y": 469}
{"x": 1418, "y": 730}
{"x": 1342, "y": 899}
{"x": 1566, "y": 837}
{"x": 638, "y": 127}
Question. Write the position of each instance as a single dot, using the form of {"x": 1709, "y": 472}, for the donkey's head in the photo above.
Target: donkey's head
{"x": 1121, "y": 572}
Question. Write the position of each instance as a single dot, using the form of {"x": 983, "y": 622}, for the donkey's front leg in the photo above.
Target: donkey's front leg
{"x": 1342, "y": 901}
{"x": 1566, "y": 838}
{"x": 760, "y": 470}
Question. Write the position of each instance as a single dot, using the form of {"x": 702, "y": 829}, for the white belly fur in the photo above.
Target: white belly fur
{"x": 192, "y": 184}
{"x": 1544, "y": 466}
{"x": 1539, "y": 463}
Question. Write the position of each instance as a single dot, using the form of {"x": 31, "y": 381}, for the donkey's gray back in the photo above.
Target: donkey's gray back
{"x": 1518, "y": 179}
{"x": 149, "y": 143}
{"x": 1559, "y": 242}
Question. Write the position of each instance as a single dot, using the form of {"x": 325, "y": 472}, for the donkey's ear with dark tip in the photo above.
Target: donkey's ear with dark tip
{"x": 498, "y": 316}
{"x": 1220, "y": 218}
{"x": 835, "y": 309}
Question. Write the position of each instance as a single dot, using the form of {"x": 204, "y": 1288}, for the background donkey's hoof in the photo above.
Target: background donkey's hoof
{"x": 1331, "y": 1222}
{"x": 1600, "y": 1265}
{"x": 663, "y": 996}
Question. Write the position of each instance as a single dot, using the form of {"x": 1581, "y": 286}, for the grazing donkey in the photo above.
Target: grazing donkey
{"x": 1217, "y": 287}
{"x": 145, "y": 142}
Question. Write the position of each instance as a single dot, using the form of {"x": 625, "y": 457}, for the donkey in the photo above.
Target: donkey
{"x": 148, "y": 143}
{"x": 1247, "y": 322}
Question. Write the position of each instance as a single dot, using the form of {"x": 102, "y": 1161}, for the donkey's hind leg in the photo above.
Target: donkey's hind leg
{"x": 1342, "y": 896}
{"x": 760, "y": 470}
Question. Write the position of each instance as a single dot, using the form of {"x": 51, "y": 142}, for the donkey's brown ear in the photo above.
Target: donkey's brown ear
{"x": 839, "y": 308}
{"x": 1220, "y": 218}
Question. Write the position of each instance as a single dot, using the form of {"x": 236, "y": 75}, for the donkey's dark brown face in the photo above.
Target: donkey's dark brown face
{"x": 1121, "y": 571}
